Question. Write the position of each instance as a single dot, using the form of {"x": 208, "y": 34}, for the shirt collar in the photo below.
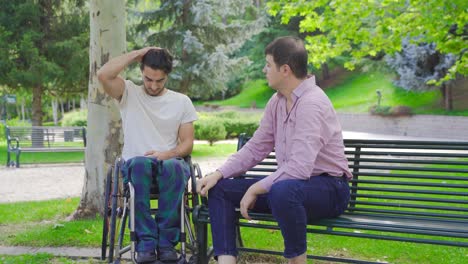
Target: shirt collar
{"x": 303, "y": 87}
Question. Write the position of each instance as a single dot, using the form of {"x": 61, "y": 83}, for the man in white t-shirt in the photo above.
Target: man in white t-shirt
{"x": 158, "y": 133}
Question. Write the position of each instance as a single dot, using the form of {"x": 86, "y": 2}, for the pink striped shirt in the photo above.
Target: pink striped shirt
{"x": 308, "y": 140}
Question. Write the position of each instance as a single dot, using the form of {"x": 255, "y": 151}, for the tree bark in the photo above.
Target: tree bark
{"x": 446, "y": 90}
{"x": 107, "y": 39}
{"x": 325, "y": 71}
{"x": 37, "y": 106}
{"x": 22, "y": 110}
{"x": 54, "y": 105}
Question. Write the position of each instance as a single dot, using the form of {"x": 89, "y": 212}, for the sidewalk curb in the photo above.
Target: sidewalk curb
{"x": 71, "y": 252}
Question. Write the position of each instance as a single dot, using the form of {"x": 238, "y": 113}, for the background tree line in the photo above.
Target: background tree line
{"x": 52, "y": 48}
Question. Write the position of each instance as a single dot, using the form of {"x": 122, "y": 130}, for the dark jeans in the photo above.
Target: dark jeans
{"x": 292, "y": 203}
{"x": 171, "y": 178}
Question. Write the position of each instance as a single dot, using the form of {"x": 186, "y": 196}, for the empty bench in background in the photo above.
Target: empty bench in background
{"x": 43, "y": 139}
{"x": 412, "y": 191}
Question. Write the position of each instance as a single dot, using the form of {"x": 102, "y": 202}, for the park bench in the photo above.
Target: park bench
{"x": 43, "y": 139}
{"x": 412, "y": 191}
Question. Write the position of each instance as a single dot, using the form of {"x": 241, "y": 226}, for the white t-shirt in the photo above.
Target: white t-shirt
{"x": 152, "y": 122}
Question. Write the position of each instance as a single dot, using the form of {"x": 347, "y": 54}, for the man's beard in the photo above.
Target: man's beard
{"x": 152, "y": 92}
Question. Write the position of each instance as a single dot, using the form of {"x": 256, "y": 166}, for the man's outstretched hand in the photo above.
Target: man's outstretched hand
{"x": 207, "y": 182}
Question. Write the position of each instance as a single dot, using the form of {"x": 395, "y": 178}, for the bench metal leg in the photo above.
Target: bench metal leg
{"x": 202, "y": 240}
{"x": 8, "y": 159}
{"x": 18, "y": 153}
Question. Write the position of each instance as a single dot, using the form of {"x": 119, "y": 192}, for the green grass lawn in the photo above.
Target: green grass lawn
{"x": 255, "y": 91}
{"x": 40, "y": 224}
{"x": 358, "y": 93}
{"x": 355, "y": 94}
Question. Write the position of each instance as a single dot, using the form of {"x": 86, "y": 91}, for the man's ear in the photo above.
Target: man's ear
{"x": 285, "y": 69}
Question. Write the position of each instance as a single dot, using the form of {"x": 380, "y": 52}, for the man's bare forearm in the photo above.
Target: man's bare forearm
{"x": 116, "y": 65}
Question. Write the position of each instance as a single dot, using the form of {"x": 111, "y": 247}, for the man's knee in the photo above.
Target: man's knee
{"x": 283, "y": 192}
{"x": 175, "y": 165}
{"x": 218, "y": 188}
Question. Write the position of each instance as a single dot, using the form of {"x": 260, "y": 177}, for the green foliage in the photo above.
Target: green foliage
{"x": 236, "y": 123}
{"x": 367, "y": 30}
{"x": 232, "y": 123}
{"x": 75, "y": 118}
{"x": 203, "y": 36}
{"x": 209, "y": 129}
{"x": 44, "y": 47}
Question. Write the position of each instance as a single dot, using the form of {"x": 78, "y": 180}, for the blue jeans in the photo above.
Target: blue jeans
{"x": 292, "y": 202}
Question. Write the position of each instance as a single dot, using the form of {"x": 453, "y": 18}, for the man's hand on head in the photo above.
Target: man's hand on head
{"x": 143, "y": 51}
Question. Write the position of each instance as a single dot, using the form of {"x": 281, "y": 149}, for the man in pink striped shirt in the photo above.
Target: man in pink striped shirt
{"x": 310, "y": 183}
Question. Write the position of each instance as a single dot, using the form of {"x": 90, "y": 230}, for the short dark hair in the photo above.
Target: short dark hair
{"x": 290, "y": 51}
{"x": 157, "y": 59}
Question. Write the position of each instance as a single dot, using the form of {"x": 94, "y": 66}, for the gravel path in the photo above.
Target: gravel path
{"x": 53, "y": 181}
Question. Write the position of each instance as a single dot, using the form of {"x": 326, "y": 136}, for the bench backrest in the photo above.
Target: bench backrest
{"x": 41, "y": 136}
{"x": 399, "y": 178}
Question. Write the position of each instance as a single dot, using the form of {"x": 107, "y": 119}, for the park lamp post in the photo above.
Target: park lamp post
{"x": 379, "y": 98}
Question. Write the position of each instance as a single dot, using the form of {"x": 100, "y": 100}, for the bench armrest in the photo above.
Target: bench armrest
{"x": 9, "y": 143}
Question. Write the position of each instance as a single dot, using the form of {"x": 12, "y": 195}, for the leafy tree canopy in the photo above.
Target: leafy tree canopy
{"x": 44, "y": 43}
{"x": 369, "y": 28}
{"x": 203, "y": 36}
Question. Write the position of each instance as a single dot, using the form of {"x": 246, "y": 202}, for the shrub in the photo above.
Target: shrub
{"x": 234, "y": 127}
{"x": 213, "y": 126}
{"x": 389, "y": 111}
{"x": 75, "y": 118}
{"x": 209, "y": 129}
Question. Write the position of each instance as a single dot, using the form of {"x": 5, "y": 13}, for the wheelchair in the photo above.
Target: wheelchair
{"x": 119, "y": 210}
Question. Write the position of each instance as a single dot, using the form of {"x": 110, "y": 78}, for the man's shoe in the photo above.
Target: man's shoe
{"x": 168, "y": 254}
{"x": 146, "y": 257}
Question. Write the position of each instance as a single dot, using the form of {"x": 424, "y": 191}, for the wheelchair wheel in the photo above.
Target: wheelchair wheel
{"x": 107, "y": 214}
{"x": 115, "y": 218}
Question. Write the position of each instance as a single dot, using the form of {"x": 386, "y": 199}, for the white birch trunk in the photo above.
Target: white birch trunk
{"x": 82, "y": 103}
{"x": 54, "y": 104}
{"x": 107, "y": 39}
{"x": 23, "y": 117}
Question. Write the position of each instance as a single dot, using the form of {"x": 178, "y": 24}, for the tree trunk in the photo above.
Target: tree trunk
{"x": 446, "y": 91}
{"x": 448, "y": 97}
{"x": 37, "y": 106}
{"x": 82, "y": 103}
{"x": 107, "y": 39}
{"x": 54, "y": 104}
{"x": 325, "y": 71}
{"x": 61, "y": 107}
{"x": 22, "y": 110}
